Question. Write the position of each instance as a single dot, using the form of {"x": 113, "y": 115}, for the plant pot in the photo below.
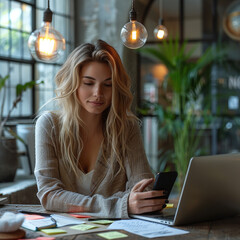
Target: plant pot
{"x": 27, "y": 132}
{"x": 8, "y": 159}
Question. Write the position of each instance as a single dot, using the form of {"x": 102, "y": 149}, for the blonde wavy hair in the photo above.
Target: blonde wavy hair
{"x": 117, "y": 118}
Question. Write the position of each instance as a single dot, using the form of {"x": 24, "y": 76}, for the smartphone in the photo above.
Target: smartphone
{"x": 165, "y": 181}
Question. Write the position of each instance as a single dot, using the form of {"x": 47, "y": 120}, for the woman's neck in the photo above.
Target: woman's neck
{"x": 92, "y": 124}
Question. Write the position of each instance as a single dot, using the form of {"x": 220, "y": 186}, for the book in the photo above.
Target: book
{"x": 38, "y": 224}
{"x": 51, "y": 221}
{"x": 3, "y": 200}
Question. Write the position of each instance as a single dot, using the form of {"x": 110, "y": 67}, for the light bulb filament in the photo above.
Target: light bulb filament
{"x": 134, "y": 32}
{"x": 134, "y": 35}
{"x": 46, "y": 45}
{"x": 160, "y": 34}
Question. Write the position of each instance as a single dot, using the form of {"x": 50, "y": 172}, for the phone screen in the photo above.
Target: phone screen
{"x": 165, "y": 181}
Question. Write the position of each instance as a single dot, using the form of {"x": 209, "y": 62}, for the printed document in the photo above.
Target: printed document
{"x": 145, "y": 228}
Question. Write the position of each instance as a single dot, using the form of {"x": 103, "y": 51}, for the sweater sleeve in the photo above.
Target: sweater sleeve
{"x": 137, "y": 166}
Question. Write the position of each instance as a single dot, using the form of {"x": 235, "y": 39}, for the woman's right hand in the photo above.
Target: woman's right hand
{"x": 142, "y": 202}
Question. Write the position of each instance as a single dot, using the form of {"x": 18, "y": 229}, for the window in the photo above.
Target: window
{"x": 17, "y": 20}
{"x": 200, "y": 22}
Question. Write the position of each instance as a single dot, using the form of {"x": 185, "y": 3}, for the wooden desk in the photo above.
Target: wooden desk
{"x": 226, "y": 229}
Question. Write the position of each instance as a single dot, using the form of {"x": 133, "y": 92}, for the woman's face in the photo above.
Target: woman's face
{"x": 95, "y": 90}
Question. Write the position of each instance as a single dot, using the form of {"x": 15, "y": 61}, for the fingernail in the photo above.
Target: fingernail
{"x": 164, "y": 205}
{"x": 166, "y": 201}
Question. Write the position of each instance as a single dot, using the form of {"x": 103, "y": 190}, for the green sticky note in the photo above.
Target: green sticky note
{"x": 112, "y": 235}
{"x": 103, "y": 222}
{"x": 83, "y": 227}
{"x": 53, "y": 231}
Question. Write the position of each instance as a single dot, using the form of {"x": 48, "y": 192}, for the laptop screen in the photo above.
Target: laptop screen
{"x": 211, "y": 189}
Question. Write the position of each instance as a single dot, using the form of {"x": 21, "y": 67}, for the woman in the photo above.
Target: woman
{"x": 89, "y": 153}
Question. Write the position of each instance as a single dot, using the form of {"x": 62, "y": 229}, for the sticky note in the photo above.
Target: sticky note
{"x": 53, "y": 231}
{"x": 45, "y": 238}
{"x": 39, "y": 238}
{"x": 103, "y": 222}
{"x": 33, "y": 216}
{"x": 79, "y": 216}
{"x": 112, "y": 235}
{"x": 169, "y": 205}
{"x": 83, "y": 227}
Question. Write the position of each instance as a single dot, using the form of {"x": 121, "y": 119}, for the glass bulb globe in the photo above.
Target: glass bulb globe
{"x": 46, "y": 44}
{"x": 160, "y": 32}
{"x": 134, "y": 35}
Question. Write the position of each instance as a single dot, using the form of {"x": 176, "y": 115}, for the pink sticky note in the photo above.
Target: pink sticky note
{"x": 45, "y": 238}
{"x": 33, "y": 216}
{"x": 40, "y": 238}
{"x": 79, "y": 216}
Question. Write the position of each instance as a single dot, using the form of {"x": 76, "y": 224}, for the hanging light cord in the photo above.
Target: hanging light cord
{"x": 133, "y": 14}
{"x": 47, "y": 15}
{"x": 160, "y": 4}
{"x": 161, "y": 8}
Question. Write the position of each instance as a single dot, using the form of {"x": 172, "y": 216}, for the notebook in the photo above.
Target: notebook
{"x": 3, "y": 200}
{"x": 210, "y": 191}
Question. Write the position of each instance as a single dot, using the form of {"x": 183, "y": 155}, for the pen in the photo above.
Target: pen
{"x": 37, "y": 213}
{"x": 111, "y": 219}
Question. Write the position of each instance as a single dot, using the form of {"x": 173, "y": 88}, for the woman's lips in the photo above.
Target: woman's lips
{"x": 96, "y": 103}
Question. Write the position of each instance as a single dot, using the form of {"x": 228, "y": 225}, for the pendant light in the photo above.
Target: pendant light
{"x": 46, "y": 44}
{"x": 133, "y": 34}
{"x": 160, "y": 31}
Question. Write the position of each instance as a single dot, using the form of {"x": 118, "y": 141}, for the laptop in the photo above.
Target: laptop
{"x": 210, "y": 191}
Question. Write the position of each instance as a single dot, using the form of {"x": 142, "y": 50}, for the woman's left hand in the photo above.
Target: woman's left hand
{"x": 142, "y": 202}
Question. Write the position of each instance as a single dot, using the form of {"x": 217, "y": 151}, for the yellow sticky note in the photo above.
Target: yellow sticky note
{"x": 53, "y": 231}
{"x": 169, "y": 205}
{"x": 112, "y": 235}
{"x": 83, "y": 227}
{"x": 103, "y": 222}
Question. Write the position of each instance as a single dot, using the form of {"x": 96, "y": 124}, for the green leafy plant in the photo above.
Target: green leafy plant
{"x": 179, "y": 111}
{"x": 20, "y": 89}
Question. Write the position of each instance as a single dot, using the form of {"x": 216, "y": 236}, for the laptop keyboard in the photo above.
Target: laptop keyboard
{"x": 163, "y": 217}
{"x": 166, "y": 217}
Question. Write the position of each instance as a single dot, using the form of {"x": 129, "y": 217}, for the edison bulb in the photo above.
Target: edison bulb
{"x": 46, "y": 44}
{"x": 134, "y": 34}
{"x": 160, "y": 32}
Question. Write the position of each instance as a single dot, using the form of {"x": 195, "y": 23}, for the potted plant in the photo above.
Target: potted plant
{"x": 8, "y": 137}
{"x": 179, "y": 116}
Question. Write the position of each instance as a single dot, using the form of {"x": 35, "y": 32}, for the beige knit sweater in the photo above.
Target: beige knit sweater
{"x": 57, "y": 189}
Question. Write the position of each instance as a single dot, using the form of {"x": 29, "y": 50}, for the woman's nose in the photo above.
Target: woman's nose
{"x": 98, "y": 91}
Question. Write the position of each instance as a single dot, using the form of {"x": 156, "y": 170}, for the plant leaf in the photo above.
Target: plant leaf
{"x": 20, "y": 88}
{"x": 3, "y": 81}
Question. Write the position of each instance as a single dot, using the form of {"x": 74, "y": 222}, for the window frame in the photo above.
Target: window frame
{"x": 32, "y": 63}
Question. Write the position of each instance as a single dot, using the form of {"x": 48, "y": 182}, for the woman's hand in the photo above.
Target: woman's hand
{"x": 142, "y": 202}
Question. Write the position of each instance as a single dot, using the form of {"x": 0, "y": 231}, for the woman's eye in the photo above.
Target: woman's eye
{"x": 108, "y": 84}
{"x": 87, "y": 83}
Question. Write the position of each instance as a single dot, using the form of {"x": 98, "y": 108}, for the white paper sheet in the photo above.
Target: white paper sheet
{"x": 145, "y": 228}
{"x": 65, "y": 221}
